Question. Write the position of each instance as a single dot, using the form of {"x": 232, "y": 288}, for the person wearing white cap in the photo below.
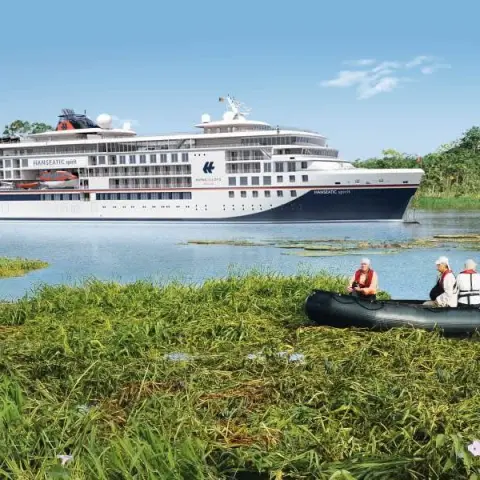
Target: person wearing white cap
{"x": 445, "y": 292}
{"x": 468, "y": 282}
{"x": 364, "y": 282}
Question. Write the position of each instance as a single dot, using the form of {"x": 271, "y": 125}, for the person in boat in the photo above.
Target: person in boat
{"x": 468, "y": 283}
{"x": 445, "y": 291}
{"x": 364, "y": 282}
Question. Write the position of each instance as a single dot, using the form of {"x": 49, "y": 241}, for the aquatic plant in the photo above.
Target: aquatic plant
{"x": 16, "y": 267}
{"x": 226, "y": 380}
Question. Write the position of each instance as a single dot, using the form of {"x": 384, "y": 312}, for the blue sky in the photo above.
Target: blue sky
{"x": 164, "y": 64}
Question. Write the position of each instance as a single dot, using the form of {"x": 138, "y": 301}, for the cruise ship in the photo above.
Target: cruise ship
{"x": 234, "y": 169}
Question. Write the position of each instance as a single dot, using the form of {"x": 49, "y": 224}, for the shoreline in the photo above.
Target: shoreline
{"x": 441, "y": 203}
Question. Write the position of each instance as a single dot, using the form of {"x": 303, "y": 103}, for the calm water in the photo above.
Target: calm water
{"x": 129, "y": 251}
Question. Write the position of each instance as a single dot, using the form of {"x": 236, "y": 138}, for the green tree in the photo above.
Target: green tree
{"x": 21, "y": 128}
{"x": 452, "y": 170}
{"x": 471, "y": 140}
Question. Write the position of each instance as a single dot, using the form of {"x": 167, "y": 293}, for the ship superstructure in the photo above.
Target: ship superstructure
{"x": 234, "y": 169}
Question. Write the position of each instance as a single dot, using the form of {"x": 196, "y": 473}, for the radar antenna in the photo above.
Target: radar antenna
{"x": 238, "y": 108}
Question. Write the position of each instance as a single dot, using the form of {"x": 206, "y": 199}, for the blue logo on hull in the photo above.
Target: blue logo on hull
{"x": 208, "y": 167}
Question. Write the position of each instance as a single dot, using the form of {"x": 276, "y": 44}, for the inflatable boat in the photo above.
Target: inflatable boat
{"x": 343, "y": 311}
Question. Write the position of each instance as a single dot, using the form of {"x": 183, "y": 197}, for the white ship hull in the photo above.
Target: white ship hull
{"x": 311, "y": 204}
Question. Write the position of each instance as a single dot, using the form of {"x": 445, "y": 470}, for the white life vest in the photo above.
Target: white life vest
{"x": 468, "y": 284}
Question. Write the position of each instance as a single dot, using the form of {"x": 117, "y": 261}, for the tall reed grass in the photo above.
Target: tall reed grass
{"x": 16, "y": 267}
{"x": 426, "y": 202}
{"x": 224, "y": 380}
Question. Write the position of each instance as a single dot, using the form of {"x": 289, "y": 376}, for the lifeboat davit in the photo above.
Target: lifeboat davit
{"x": 58, "y": 179}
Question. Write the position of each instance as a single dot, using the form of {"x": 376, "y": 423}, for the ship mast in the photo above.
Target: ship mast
{"x": 238, "y": 109}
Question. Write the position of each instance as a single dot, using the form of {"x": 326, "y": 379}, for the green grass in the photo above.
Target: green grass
{"x": 16, "y": 267}
{"x": 426, "y": 202}
{"x": 85, "y": 370}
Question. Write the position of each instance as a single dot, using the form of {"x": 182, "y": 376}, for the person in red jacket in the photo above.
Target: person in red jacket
{"x": 364, "y": 282}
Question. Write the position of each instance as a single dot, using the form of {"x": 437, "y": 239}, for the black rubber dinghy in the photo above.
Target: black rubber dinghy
{"x": 343, "y": 311}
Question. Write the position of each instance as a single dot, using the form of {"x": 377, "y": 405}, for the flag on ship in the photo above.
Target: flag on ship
{"x": 221, "y": 99}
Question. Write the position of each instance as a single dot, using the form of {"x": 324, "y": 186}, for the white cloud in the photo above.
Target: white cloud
{"x": 386, "y": 66}
{"x": 363, "y": 62}
{"x": 346, "y": 78}
{"x": 386, "y": 84}
{"x": 433, "y": 68}
{"x": 419, "y": 60}
{"x": 383, "y": 77}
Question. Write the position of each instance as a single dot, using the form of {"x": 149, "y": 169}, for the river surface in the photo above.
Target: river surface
{"x": 126, "y": 252}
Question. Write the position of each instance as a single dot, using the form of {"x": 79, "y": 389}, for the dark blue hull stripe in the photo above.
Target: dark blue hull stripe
{"x": 314, "y": 206}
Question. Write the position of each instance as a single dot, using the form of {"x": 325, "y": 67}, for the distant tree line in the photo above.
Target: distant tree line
{"x": 453, "y": 170}
{"x": 20, "y": 128}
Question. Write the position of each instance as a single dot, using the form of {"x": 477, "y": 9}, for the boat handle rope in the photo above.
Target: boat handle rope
{"x": 356, "y": 300}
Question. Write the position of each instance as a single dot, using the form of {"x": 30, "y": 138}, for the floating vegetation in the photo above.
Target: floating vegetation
{"x": 347, "y": 246}
{"x": 227, "y": 381}
{"x": 16, "y": 267}
{"x": 327, "y": 253}
{"x": 234, "y": 243}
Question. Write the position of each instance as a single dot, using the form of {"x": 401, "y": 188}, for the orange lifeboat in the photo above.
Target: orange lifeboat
{"x": 57, "y": 176}
{"x": 58, "y": 179}
{"x": 27, "y": 185}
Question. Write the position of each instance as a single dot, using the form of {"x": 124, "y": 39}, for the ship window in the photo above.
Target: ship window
{"x": 380, "y": 180}
{"x": 279, "y": 193}
{"x": 337, "y": 183}
{"x": 174, "y": 157}
{"x": 185, "y": 157}
{"x": 293, "y": 193}
{"x": 357, "y": 181}
{"x": 267, "y": 167}
{"x": 304, "y": 178}
{"x": 304, "y": 165}
{"x": 255, "y": 194}
{"x": 8, "y": 163}
{"x": 101, "y": 160}
{"x": 243, "y": 194}
{"x": 291, "y": 178}
{"x": 279, "y": 178}
{"x": 255, "y": 180}
{"x": 132, "y": 159}
{"x": 25, "y": 162}
{"x": 153, "y": 158}
{"x": 278, "y": 166}
{"x": 291, "y": 166}
{"x": 231, "y": 194}
{"x": 243, "y": 181}
{"x": 267, "y": 180}
{"x": 122, "y": 160}
{"x": 405, "y": 181}
{"x": 267, "y": 193}
{"x": 143, "y": 159}
{"x": 163, "y": 158}
{"x": 232, "y": 181}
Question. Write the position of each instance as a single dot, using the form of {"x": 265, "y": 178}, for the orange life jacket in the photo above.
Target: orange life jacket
{"x": 368, "y": 280}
